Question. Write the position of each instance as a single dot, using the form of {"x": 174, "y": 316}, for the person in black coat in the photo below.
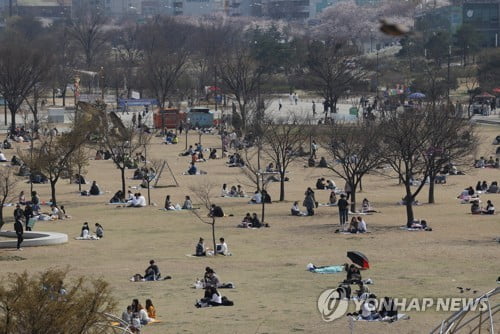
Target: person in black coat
{"x": 216, "y": 211}
{"x": 18, "y": 227}
{"x": 28, "y": 213}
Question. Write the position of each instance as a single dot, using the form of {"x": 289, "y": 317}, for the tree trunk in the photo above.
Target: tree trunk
{"x": 53, "y": 190}
{"x": 263, "y": 211}
{"x": 282, "y": 186}
{"x": 1, "y": 216}
{"x": 432, "y": 179}
{"x": 122, "y": 170}
{"x": 409, "y": 203}
{"x": 149, "y": 190}
{"x": 12, "y": 120}
{"x": 353, "y": 199}
{"x": 213, "y": 236}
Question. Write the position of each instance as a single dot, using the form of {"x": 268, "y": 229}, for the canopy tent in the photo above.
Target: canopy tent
{"x": 416, "y": 95}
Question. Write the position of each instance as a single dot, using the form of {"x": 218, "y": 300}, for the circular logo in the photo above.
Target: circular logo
{"x": 331, "y": 306}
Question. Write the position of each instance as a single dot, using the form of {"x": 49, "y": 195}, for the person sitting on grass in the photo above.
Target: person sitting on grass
{"x": 210, "y": 279}
{"x": 168, "y": 204}
{"x": 193, "y": 170}
{"x": 143, "y": 315}
{"x": 320, "y": 184}
{"x": 247, "y": 221}
{"x": 330, "y": 185}
{"x": 222, "y": 248}
{"x": 475, "y": 209}
{"x": 85, "y": 234}
{"x": 99, "y": 230}
{"x": 138, "y": 201}
{"x": 418, "y": 224}
{"x": 212, "y": 298}
{"x": 353, "y": 225}
{"x": 224, "y": 192}
{"x": 94, "y": 189}
{"x": 266, "y": 198}
{"x": 493, "y": 189}
{"x": 216, "y": 211}
{"x": 188, "y": 205}
{"x": 295, "y": 210}
{"x": 367, "y": 207}
{"x": 489, "y": 210}
{"x": 150, "y": 309}
{"x": 240, "y": 192}
{"x": 353, "y": 274}
{"x": 369, "y": 309}
{"x": 255, "y": 221}
{"x": 117, "y": 198}
{"x": 322, "y": 163}
{"x": 152, "y": 273}
{"x": 333, "y": 198}
{"x": 361, "y": 225}
{"x": 200, "y": 249}
{"x": 256, "y": 198}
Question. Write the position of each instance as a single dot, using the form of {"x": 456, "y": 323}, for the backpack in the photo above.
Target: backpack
{"x": 226, "y": 302}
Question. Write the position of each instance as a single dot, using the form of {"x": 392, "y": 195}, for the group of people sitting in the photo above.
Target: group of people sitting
{"x": 467, "y": 195}
{"x": 212, "y": 296}
{"x": 152, "y": 273}
{"x": 251, "y": 221}
{"x": 235, "y": 160}
{"x": 477, "y": 210}
{"x": 85, "y": 233}
{"x": 138, "y": 201}
{"x": 418, "y": 225}
{"x": 483, "y": 187}
{"x": 311, "y": 162}
{"x": 234, "y": 191}
{"x": 188, "y": 205}
{"x": 260, "y": 197}
{"x": 490, "y": 163}
{"x": 220, "y": 248}
{"x": 171, "y": 138}
{"x": 94, "y": 190}
{"x": 137, "y": 316}
{"x": 356, "y": 225}
{"x": 322, "y": 184}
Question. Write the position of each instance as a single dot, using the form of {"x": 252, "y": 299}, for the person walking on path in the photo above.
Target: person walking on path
{"x": 280, "y": 104}
{"x": 343, "y": 205}
{"x": 314, "y": 108}
{"x": 18, "y": 227}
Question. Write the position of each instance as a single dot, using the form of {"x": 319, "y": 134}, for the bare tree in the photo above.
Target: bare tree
{"x": 354, "y": 150}
{"x": 241, "y": 76}
{"x": 22, "y": 68}
{"x": 204, "y": 191}
{"x": 452, "y": 139}
{"x": 122, "y": 147}
{"x": 53, "y": 155}
{"x": 153, "y": 168}
{"x": 165, "y": 56}
{"x": 404, "y": 149}
{"x": 282, "y": 142}
{"x": 84, "y": 302}
{"x": 334, "y": 70}
{"x": 8, "y": 183}
{"x": 87, "y": 31}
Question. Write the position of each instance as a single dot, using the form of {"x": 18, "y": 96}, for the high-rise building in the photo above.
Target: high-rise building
{"x": 484, "y": 16}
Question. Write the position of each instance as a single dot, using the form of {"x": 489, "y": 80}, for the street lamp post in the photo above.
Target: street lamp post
{"x": 187, "y": 129}
{"x": 448, "y": 78}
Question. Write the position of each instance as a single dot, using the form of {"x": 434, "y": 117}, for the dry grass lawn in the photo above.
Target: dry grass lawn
{"x": 274, "y": 292}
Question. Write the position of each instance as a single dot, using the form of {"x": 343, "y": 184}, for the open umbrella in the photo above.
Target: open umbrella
{"x": 416, "y": 95}
{"x": 496, "y": 90}
{"x": 359, "y": 258}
